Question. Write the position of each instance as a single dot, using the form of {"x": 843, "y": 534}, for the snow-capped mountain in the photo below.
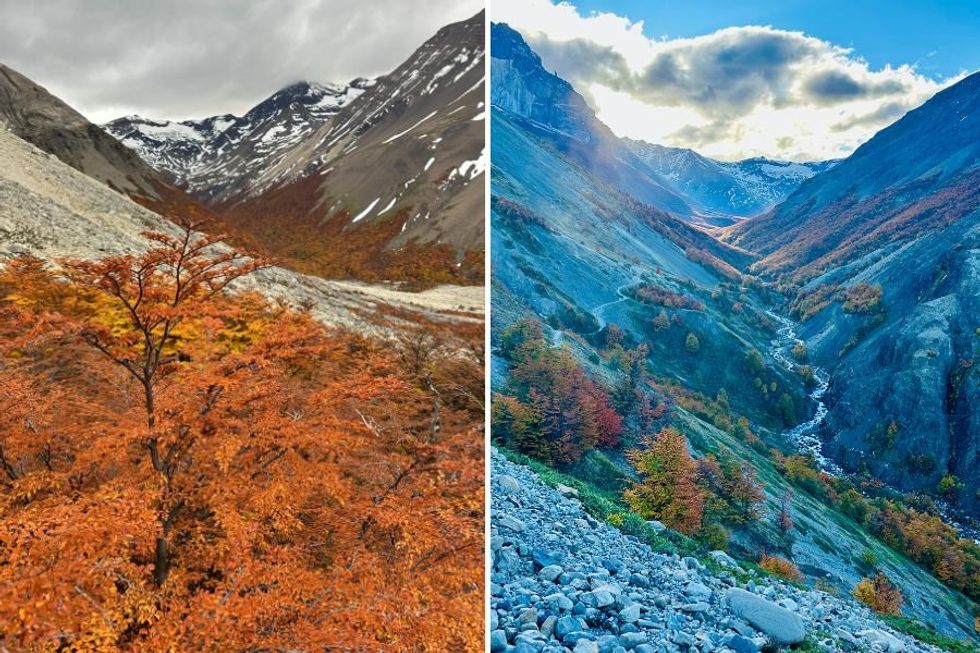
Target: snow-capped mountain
{"x": 218, "y": 158}
{"x": 413, "y": 141}
{"x": 726, "y": 188}
{"x": 398, "y": 169}
{"x": 375, "y": 179}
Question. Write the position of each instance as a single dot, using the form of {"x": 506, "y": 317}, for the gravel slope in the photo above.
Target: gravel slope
{"x": 562, "y": 581}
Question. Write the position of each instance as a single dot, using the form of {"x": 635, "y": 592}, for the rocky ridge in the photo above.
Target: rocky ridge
{"x": 219, "y": 158}
{"x": 562, "y": 581}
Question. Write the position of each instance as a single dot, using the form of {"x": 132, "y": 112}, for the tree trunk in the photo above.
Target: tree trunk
{"x": 161, "y": 563}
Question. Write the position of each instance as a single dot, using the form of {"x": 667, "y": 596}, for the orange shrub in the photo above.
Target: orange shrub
{"x": 780, "y": 567}
{"x": 879, "y": 594}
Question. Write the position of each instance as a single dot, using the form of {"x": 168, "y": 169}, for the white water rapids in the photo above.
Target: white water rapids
{"x": 804, "y": 436}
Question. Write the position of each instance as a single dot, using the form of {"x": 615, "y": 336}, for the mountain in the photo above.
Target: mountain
{"x": 376, "y": 180}
{"x": 219, "y": 158}
{"x": 32, "y": 113}
{"x": 547, "y": 104}
{"x": 616, "y": 317}
{"x": 676, "y": 180}
{"x": 392, "y": 184}
{"x": 721, "y": 190}
{"x": 885, "y": 251}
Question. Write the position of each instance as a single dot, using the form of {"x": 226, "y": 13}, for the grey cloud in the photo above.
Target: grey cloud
{"x": 830, "y": 86}
{"x": 696, "y": 137}
{"x": 725, "y": 76}
{"x": 884, "y": 114}
{"x": 191, "y": 58}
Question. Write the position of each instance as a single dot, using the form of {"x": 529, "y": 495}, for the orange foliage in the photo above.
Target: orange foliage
{"x": 652, "y": 294}
{"x": 667, "y": 489}
{"x": 290, "y": 224}
{"x": 879, "y": 594}
{"x": 780, "y": 567}
{"x": 187, "y": 469}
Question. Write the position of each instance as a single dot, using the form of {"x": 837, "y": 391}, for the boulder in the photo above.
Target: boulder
{"x": 778, "y": 623}
{"x": 882, "y": 641}
{"x": 508, "y": 484}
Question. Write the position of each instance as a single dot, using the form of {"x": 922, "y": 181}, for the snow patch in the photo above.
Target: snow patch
{"x": 400, "y": 134}
{"x": 365, "y": 212}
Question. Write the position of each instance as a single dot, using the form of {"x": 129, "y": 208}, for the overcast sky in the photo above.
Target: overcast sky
{"x": 181, "y": 59}
{"x": 735, "y": 90}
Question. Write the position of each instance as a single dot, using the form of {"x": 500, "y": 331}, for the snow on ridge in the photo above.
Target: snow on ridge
{"x": 365, "y": 212}
{"x": 400, "y": 134}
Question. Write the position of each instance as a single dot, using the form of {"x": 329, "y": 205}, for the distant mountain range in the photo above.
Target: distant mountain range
{"x": 220, "y": 157}
{"x": 722, "y": 191}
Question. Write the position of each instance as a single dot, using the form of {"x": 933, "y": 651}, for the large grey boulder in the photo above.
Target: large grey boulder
{"x": 779, "y": 624}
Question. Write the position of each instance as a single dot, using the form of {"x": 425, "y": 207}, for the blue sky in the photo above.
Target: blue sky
{"x": 732, "y": 79}
{"x": 941, "y": 38}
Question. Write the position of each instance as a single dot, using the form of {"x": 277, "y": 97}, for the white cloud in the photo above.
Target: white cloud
{"x": 735, "y": 93}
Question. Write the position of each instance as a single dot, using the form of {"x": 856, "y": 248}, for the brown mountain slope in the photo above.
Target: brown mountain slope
{"x": 392, "y": 186}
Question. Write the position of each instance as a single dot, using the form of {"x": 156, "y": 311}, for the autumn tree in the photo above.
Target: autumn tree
{"x": 667, "y": 489}
{"x": 564, "y": 413}
{"x": 309, "y": 505}
{"x": 156, "y": 292}
{"x": 879, "y": 594}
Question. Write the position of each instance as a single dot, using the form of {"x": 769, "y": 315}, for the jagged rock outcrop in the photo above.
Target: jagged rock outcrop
{"x": 32, "y": 113}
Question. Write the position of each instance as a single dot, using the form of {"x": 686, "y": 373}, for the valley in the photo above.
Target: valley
{"x": 372, "y": 180}
{"x": 778, "y": 341}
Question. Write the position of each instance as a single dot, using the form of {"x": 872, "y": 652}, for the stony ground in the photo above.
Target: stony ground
{"x": 562, "y": 581}
{"x": 50, "y": 210}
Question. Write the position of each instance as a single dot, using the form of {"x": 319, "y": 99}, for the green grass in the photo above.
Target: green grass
{"x": 609, "y": 507}
{"x": 927, "y": 635}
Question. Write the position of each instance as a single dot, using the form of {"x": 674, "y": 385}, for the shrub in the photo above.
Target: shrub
{"x": 692, "y": 344}
{"x": 879, "y": 594}
{"x": 715, "y": 537}
{"x": 780, "y": 567}
{"x": 868, "y": 560}
{"x": 863, "y": 297}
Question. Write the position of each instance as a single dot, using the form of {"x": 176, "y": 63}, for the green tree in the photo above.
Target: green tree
{"x": 692, "y": 344}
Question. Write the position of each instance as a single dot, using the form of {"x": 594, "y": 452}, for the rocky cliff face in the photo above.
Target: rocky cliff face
{"x": 30, "y": 112}
{"x": 563, "y": 581}
{"x": 546, "y": 104}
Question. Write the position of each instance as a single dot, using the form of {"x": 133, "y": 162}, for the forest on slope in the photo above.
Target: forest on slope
{"x": 187, "y": 465}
